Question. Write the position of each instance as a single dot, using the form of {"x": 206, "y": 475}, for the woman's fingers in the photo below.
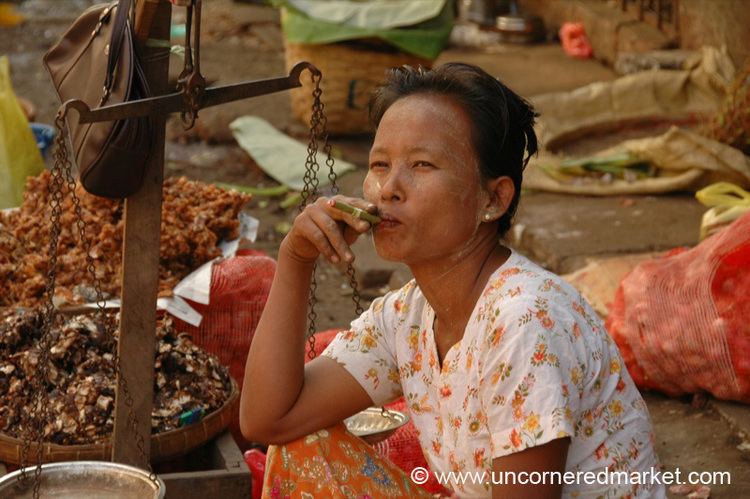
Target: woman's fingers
{"x": 334, "y": 235}
{"x": 308, "y": 236}
{"x": 351, "y": 211}
{"x": 322, "y": 229}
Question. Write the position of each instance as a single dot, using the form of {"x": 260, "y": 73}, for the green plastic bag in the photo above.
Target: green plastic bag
{"x": 426, "y": 39}
{"x": 19, "y": 154}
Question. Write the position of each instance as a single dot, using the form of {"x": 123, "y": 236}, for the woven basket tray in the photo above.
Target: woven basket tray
{"x": 350, "y": 74}
{"x": 164, "y": 446}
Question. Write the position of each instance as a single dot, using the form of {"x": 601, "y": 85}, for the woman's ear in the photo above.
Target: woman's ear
{"x": 501, "y": 191}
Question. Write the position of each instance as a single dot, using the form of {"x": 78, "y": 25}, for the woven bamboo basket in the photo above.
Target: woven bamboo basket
{"x": 350, "y": 74}
{"x": 164, "y": 446}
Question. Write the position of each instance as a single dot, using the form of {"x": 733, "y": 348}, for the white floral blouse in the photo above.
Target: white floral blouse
{"x": 535, "y": 364}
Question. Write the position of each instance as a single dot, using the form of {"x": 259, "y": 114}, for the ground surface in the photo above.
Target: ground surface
{"x": 243, "y": 41}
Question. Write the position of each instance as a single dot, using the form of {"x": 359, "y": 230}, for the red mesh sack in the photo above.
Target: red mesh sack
{"x": 682, "y": 322}
{"x": 239, "y": 290}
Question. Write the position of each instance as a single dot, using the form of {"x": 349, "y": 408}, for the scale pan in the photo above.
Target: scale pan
{"x": 372, "y": 426}
{"x": 77, "y": 479}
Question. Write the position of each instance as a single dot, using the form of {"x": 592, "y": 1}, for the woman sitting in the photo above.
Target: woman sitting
{"x": 504, "y": 366}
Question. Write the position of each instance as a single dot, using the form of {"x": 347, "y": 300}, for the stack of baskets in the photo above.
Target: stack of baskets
{"x": 351, "y": 71}
{"x": 354, "y": 43}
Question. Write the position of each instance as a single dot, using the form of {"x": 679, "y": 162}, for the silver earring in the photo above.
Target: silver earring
{"x": 487, "y": 217}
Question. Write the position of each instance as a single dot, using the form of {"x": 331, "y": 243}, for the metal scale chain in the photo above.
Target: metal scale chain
{"x": 318, "y": 122}
{"x": 60, "y": 177}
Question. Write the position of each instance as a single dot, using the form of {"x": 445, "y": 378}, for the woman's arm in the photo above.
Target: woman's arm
{"x": 282, "y": 398}
{"x": 548, "y": 457}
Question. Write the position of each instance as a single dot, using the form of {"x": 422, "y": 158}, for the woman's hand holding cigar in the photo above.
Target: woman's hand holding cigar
{"x": 328, "y": 227}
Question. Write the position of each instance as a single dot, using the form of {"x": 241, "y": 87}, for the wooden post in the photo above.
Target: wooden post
{"x": 144, "y": 18}
{"x": 140, "y": 260}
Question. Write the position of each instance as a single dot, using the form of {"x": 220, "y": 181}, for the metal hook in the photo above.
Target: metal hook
{"x": 191, "y": 82}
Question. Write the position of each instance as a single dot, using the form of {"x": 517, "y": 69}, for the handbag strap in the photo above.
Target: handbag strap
{"x": 119, "y": 25}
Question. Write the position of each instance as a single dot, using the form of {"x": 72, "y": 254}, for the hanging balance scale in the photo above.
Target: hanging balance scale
{"x": 74, "y": 479}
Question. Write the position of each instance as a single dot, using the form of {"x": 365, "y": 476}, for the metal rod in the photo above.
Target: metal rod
{"x": 174, "y": 102}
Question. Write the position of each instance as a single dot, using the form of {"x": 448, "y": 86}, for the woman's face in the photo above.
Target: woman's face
{"x": 424, "y": 178}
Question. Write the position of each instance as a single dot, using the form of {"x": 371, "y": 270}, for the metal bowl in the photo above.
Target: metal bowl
{"x": 81, "y": 479}
{"x": 519, "y": 29}
{"x": 374, "y": 424}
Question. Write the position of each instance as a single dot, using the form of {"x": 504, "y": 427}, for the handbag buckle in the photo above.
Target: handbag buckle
{"x": 103, "y": 18}
{"x": 105, "y": 95}
{"x": 105, "y": 14}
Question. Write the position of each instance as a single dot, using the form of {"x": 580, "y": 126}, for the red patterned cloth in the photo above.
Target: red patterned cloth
{"x": 334, "y": 463}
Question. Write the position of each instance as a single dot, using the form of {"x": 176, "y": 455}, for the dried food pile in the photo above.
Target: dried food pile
{"x": 195, "y": 217}
{"x": 81, "y": 379}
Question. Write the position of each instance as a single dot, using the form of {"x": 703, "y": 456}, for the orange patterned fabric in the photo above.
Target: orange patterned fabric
{"x": 333, "y": 463}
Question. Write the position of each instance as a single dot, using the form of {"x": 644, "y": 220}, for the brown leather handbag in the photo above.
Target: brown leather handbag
{"x": 96, "y": 61}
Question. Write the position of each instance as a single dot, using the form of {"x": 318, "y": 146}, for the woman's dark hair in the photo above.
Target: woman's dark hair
{"x": 503, "y": 121}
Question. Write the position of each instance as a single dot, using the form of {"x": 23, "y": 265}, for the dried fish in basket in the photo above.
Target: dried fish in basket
{"x": 81, "y": 380}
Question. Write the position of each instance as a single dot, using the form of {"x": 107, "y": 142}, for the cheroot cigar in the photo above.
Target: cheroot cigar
{"x": 357, "y": 213}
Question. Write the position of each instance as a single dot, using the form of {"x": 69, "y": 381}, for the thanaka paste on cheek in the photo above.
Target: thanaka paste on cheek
{"x": 440, "y": 203}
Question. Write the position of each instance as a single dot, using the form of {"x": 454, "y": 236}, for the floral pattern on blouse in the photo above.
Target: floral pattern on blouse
{"x": 535, "y": 364}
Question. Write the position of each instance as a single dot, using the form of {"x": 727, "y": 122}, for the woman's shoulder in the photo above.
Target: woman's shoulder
{"x": 402, "y": 301}
{"x": 522, "y": 279}
{"x": 520, "y": 287}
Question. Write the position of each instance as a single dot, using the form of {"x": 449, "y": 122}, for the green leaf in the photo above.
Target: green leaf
{"x": 292, "y": 199}
{"x": 283, "y": 227}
